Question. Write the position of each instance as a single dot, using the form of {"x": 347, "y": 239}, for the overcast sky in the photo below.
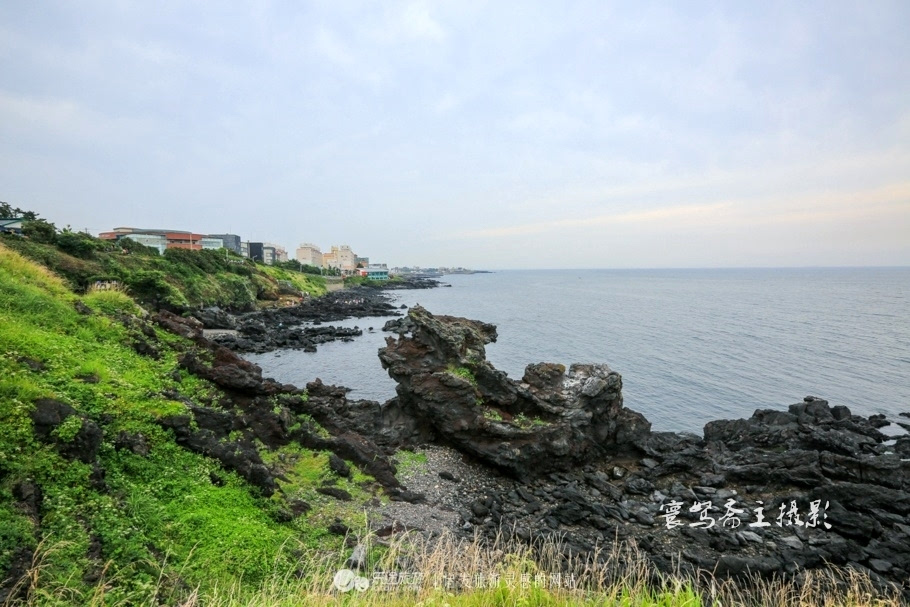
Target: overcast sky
{"x": 485, "y": 134}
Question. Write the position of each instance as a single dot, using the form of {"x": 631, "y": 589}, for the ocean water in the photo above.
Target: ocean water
{"x": 691, "y": 345}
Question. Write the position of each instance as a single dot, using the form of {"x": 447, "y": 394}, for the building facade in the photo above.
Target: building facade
{"x": 230, "y": 241}
{"x": 341, "y": 258}
{"x": 265, "y": 252}
{"x": 255, "y": 251}
{"x": 156, "y": 241}
{"x": 309, "y": 254}
{"x": 12, "y": 225}
{"x": 174, "y": 239}
{"x": 375, "y": 272}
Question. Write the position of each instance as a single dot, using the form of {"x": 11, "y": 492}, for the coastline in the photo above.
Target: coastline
{"x": 182, "y": 438}
{"x": 809, "y": 460}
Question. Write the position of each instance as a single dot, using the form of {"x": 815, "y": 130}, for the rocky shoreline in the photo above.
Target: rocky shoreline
{"x": 557, "y": 453}
{"x": 280, "y": 328}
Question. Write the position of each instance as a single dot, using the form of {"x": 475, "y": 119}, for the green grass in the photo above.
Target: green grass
{"x": 410, "y": 462}
{"x": 179, "y": 279}
{"x": 163, "y": 504}
{"x": 306, "y": 283}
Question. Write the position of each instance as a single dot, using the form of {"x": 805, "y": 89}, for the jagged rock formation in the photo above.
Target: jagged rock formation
{"x": 590, "y": 470}
{"x": 551, "y": 420}
{"x": 581, "y": 466}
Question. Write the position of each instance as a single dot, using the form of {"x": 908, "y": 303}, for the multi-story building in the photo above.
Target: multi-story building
{"x": 309, "y": 255}
{"x": 255, "y": 251}
{"x": 341, "y": 258}
{"x": 209, "y": 242}
{"x": 280, "y": 253}
{"x": 156, "y": 241}
{"x": 377, "y": 271}
{"x": 173, "y": 239}
{"x": 231, "y": 241}
{"x": 264, "y": 252}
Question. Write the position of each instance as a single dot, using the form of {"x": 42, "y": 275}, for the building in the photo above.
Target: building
{"x": 309, "y": 254}
{"x": 156, "y": 241}
{"x": 255, "y": 251}
{"x": 12, "y": 225}
{"x": 231, "y": 241}
{"x": 340, "y": 258}
{"x": 245, "y": 249}
{"x": 265, "y": 252}
{"x": 375, "y": 272}
{"x": 361, "y": 262}
{"x": 268, "y": 254}
{"x": 281, "y": 253}
{"x": 212, "y": 243}
{"x": 173, "y": 239}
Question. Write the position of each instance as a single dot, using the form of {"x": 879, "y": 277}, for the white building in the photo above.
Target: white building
{"x": 309, "y": 254}
{"x": 341, "y": 258}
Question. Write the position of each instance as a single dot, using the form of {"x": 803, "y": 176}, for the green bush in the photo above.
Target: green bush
{"x": 40, "y": 230}
{"x": 77, "y": 244}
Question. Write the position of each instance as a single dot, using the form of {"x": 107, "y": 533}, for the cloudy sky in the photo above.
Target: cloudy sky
{"x": 486, "y": 134}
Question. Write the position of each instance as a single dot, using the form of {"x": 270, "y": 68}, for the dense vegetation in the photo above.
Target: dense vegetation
{"x": 178, "y": 280}
{"x": 154, "y": 521}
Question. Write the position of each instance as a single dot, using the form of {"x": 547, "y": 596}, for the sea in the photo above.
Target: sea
{"x": 691, "y": 345}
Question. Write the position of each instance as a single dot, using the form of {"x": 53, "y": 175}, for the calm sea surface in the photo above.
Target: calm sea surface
{"x": 691, "y": 345}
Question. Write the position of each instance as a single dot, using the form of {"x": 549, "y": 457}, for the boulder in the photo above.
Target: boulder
{"x": 552, "y": 420}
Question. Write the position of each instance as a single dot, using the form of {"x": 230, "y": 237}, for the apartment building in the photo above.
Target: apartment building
{"x": 309, "y": 254}
{"x": 341, "y": 258}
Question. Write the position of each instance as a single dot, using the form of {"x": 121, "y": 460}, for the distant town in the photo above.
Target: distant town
{"x": 340, "y": 260}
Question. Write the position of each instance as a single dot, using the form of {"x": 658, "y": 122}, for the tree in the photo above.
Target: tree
{"x": 7, "y": 211}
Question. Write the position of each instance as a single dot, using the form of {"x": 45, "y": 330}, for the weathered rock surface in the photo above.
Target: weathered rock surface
{"x": 551, "y": 420}
{"x": 775, "y": 494}
{"x": 772, "y": 495}
{"x": 275, "y": 328}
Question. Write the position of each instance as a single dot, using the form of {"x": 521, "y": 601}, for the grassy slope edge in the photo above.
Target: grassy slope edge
{"x": 177, "y": 280}
{"x": 124, "y": 515}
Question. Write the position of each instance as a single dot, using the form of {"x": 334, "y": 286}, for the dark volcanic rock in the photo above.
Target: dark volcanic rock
{"x": 552, "y": 421}
{"x": 50, "y": 414}
{"x": 215, "y": 318}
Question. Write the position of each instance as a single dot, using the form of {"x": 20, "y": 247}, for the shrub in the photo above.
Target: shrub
{"x": 110, "y": 300}
{"x": 77, "y": 244}
{"x": 40, "y": 230}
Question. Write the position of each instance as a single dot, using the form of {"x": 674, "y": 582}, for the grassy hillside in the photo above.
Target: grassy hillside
{"x": 177, "y": 280}
{"x": 139, "y": 512}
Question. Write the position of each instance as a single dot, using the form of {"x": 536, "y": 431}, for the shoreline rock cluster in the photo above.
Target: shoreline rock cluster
{"x": 274, "y": 328}
{"x": 777, "y": 494}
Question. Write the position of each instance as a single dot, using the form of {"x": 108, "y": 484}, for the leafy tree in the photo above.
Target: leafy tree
{"x": 7, "y": 211}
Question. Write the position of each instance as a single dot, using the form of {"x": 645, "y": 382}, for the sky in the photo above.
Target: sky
{"x": 491, "y": 135}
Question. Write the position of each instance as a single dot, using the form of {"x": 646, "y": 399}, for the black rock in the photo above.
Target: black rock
{"x": 339, "y": 494}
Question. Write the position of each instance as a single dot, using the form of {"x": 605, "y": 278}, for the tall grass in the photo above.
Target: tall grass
{"x": 453, "y": 572}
